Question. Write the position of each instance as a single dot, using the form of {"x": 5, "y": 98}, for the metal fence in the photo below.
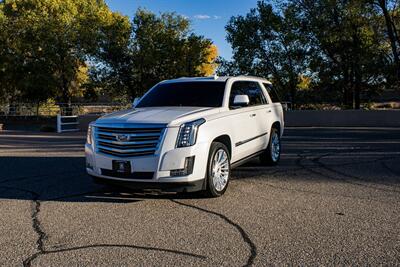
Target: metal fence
{"x": 50, "y": 110}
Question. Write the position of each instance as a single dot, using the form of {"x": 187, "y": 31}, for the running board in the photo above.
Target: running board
{"x": 246, "y": 159}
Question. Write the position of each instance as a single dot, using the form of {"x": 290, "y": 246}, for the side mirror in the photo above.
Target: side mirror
{"x": 241, "y": 100}
{"x": 135, "y": 101}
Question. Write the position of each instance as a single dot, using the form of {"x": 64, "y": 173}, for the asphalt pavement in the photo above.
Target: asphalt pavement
{"x": 333, "y": 200}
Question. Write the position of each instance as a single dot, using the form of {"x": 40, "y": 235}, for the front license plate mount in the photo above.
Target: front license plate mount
{"x": 122, "y": 166}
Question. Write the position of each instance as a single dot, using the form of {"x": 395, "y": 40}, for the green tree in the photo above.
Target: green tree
{"x": 48, "y": 42}
{"x": 336, "y": 46}
{"x": 159, "y": 48}
{"x": 163, "y": 47}
{"x": 389, "y": 10}
{"x": 346, "y": 46}
{"x": 266, "y": 43}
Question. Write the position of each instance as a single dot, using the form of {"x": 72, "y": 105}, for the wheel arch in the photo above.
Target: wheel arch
{"x": 277, "y": 125}
{"x": 226, "y": 140}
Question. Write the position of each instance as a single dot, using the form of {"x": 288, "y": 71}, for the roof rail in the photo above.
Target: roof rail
{"x": 253, "y": 77}
{"x": 200, "y": 78}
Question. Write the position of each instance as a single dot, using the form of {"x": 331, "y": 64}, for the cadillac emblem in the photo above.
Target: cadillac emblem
{"x": 123, "y": 138}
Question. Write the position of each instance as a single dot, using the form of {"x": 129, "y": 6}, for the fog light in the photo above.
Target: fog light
{"x": 188, "y": 169}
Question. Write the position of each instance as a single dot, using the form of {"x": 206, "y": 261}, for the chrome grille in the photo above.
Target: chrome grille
{"x": 132, "y": 141}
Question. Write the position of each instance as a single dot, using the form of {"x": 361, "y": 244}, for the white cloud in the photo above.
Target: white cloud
{"x": 205, "y": 16}
{"x": 200, "y": 16}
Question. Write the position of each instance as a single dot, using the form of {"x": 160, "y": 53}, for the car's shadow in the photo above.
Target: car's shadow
{"x": 64, "y": 179}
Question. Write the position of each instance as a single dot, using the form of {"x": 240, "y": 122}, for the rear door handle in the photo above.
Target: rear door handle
{"x": 253, "y": 115}
{"x": 269, "y": 111}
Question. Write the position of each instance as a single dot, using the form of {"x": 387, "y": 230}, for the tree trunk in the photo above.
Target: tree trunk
{"x": 37, "y": 109}
{"x": 391, "y": 33}
{"x": 357, "y": 70}
{"x": 357, "y": 89}
{"x": 347, "y": 88}
{"x": 66, "y": 98}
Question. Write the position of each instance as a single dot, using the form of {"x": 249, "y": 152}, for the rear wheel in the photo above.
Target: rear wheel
{"x": 272, "y": 154}
{"x": 218, "y": 170}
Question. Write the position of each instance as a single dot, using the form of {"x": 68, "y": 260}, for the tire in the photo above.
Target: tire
{"x": 217, "y": 180}
{"x": 272, "y": 155}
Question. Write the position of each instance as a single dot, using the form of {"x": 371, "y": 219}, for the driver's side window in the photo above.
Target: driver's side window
{"x": 251, "y": 89}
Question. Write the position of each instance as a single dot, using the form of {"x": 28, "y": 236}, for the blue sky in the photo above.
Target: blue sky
{"x": 208, "y": 17}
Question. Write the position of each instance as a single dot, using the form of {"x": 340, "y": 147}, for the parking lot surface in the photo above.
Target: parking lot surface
{"x": 333, "y": 200}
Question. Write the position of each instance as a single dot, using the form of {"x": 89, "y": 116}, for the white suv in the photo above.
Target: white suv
{"x": 187, "y": 134}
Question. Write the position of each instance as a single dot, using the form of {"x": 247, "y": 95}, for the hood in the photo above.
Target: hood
{"x": 157, "y": 115}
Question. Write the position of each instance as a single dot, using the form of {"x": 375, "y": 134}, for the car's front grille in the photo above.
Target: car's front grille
{"x": 128, "y": 142}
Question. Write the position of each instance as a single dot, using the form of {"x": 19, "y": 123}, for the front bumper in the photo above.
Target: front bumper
{"x": 159, "y": 167}
{"x": 162, "y": 186}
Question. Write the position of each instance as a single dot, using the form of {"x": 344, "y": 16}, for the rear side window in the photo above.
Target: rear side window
{"x": 251, "y": 89}
{"x": 272, "y": 93}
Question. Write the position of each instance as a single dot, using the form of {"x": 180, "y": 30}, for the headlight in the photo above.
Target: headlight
{"x": 89, "y": 139}
{"x": 188, "y": 133}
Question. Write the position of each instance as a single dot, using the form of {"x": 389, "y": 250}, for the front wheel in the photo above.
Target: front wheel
{"x": 272, "y": 154}
{"x": 218, "y": 170}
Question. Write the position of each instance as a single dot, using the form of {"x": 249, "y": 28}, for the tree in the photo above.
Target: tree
{"x": 48, "y": 44}
{"x": 111, "y": 70}
{"x": 163, "y": 48}
{"x": 208, "y": 68}
{"x": 266, "y": 43}
{"x": 345, "y": 44}
{"x": 159, "y": 48}
{"x": 391, "y": 23}
{"x": 227, "y": 67}
{"x": 331, "y": 47}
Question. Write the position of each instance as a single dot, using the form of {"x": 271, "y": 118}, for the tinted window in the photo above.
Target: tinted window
{"x": 251, "y": 89}
{"x": 186, "y": 94}
{"x": 272, "y": 93}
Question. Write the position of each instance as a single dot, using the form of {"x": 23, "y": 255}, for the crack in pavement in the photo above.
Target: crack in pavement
{"x": 317, "y": 160}
{"x": 360, "y": 162}
{"x": 28, "y": 261}
{"x": 43, "y": 236}
{"x": 243, "y": 233}
{"x": 283, "y": 188}
{"x": 35, "y": 209}
{"x": 301, "y": 166}
{"x": 396, "y": 174}
{"x": 312, "y": 170}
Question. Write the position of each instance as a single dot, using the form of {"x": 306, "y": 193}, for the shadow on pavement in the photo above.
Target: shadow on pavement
{"x": 64, "y": 178}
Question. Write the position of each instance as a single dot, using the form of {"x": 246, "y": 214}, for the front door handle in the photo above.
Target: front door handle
{"x": 253, "y": 115}
{"x": 269, "y": 111}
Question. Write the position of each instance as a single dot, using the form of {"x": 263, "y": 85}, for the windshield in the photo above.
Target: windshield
{"x": 186, "y": 94}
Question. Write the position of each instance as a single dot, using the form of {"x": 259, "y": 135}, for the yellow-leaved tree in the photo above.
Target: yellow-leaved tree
{"x": 208, "y": 68}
